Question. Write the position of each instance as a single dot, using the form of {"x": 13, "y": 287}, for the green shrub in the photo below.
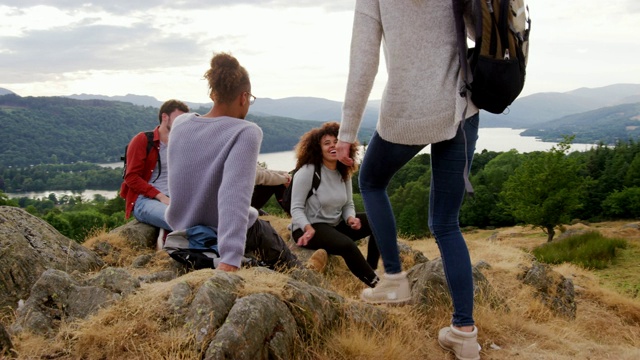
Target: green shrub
{"x": 77, "y": 225}
{"x": 590, "y": 250}
{"x": 623, "y": 204}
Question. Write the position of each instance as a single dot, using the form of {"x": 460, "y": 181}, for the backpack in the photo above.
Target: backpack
{"x": 499, "y": 59}
{"x": 149, "y": 135}
{"x": 286, "y": 197}
{"x": 197, "y": 248}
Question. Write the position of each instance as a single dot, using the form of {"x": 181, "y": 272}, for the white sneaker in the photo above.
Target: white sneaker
{"x": 391, "y": 289}
{"x": 162, "y": 235}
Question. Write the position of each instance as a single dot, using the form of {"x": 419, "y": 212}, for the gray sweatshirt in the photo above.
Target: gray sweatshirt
{"x": 212, "y": 170}
{"x": 420, "y": 104}
{"x": 331, "y": 203}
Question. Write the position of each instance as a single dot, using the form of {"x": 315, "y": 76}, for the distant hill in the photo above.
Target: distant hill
{"x": 608, "y": 125}
{"x": 130, "y": 98}
{"x": 309, "y": 108}
{"x": 302, "y": 108}
{"x": 63, "y": 130}
{"x": 4, "y": 91}
{"x": 539, "y": 108}
{"x": 525, "y": 112}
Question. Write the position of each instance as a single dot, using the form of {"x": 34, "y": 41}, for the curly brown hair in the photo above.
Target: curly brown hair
{"x": 227, "y": 78}
{"x": 309, "y": 151}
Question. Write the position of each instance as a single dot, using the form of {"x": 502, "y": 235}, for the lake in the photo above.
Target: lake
{"x": 87, "y": 195}
{"x": 491, "y": 139}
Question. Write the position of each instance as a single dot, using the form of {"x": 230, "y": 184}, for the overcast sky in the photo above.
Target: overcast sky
{"x": 291, "y": 48}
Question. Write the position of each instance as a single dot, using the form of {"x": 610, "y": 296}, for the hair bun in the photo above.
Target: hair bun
{"x": 224, "y": 60}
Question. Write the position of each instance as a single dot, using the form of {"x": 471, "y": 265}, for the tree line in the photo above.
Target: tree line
{"x": 541, "y": 189}
{"x": 43, "y": 177}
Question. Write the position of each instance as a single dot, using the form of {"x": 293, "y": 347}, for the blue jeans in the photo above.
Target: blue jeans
{"x": 150, "y": 211}
{"x": 381, "y": 161}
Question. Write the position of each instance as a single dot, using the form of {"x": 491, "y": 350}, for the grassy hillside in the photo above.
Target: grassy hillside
{"x": 49, "y": 130}
{"x": 607, "y": 325}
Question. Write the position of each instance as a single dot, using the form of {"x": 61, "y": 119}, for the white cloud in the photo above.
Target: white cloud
{"x": 290, "y": 48}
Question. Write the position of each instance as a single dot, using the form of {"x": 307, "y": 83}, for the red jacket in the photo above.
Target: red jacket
{"x": 139, "y": 169}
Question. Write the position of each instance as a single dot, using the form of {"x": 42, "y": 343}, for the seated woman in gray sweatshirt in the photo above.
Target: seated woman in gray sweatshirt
{"x": 327, "y": 219}
{"x": 212, "y": 169}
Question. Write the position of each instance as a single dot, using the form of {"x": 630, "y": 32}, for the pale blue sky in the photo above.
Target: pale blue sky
{"x": 291, "y": 48}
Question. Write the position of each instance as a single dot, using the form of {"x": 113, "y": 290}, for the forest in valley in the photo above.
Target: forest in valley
{"x": 58, "y": 130}
{"x": 541, "y": 189}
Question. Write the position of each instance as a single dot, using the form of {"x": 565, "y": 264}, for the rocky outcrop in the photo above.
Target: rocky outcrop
{"x": 552, "y": 289}
{"x": 28, "y": 247}
{"x": 56, "y": 296}
{"x": 138, "y": 235}
{"x": 259, "y": 326}
{"x": 429, "y": 286}
{"x": 225, "y": 320}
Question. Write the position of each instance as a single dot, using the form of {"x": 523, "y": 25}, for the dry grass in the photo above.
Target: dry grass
{"x": 607, "y": 324}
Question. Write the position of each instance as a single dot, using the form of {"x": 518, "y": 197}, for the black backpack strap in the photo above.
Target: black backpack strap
{"x": 315, "y": 182}
{"x": 461, "y": 36}
{"x": 316, "y": 178}
{"x": 503, "y": 27}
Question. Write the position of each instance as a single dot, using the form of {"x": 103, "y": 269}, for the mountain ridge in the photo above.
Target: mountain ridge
{"x": 525, "y": 111}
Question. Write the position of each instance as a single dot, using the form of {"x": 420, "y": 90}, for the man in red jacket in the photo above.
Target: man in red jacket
{"x": 145, "y": 187}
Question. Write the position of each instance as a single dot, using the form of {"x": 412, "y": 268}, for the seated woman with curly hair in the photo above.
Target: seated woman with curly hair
{"x": 325, "y": 218}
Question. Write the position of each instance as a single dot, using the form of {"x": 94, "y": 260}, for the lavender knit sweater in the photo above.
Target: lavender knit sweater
{"x": 212, "y": 170}
{"x": 420, "y": 104}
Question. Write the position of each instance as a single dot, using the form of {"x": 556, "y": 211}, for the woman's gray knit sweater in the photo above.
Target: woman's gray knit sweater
{"x": 331, "y": 203}
{"x": 420, "y": 104}
{"x": 212, "y": 170}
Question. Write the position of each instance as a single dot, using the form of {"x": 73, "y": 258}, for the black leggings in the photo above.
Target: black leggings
{"x": 340, "y": 240}
{"x": 262, "y": 194}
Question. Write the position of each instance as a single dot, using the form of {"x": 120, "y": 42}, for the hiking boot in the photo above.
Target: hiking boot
{"x": 391, "y": 289}
{"x": 463, "y": 344}
{"x": 162, "y": 236}
{"x": 318, "y": 260}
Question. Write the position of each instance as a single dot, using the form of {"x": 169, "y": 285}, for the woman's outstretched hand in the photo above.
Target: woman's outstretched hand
{"x": 343, "y": 149}
{"x": 309, "y": 231}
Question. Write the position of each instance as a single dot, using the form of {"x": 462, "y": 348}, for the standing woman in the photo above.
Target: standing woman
{"x": 420, "y": 105}
{"x": 327, "y": 219}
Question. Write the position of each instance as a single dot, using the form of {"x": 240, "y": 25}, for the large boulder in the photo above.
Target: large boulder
{"x": 28, "y": 247}
{"x": 211, "y": 304}
{"x": 56, "y": 296}
{"x": 259, "y": 326}
{"x": 138, "y": 235}
{"x": 429, "y": 286}
{"x": 551, "y": 288}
